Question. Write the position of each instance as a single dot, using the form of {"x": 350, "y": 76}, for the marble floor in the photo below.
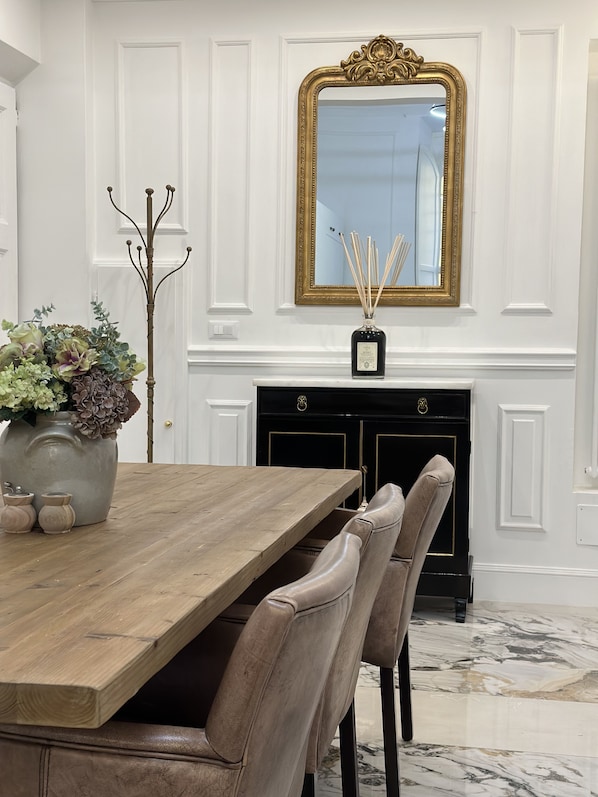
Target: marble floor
{"x": 504, "y": 705}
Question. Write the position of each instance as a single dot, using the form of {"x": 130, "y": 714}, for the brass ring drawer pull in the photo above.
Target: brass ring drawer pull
{"x": 301, "y": 403}
{"x": 422, "y": 405}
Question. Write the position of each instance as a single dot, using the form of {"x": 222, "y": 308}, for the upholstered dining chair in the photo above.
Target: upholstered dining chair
{"x": 377, "y": 527}
{"x": 253, "y": 741}
{"x": 387, "y": 640}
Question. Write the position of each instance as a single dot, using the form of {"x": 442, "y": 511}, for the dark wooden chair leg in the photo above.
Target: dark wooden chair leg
{"x": 309, "y": 785}
{"x": 389, "y": 731}
{"x": 348, "y": 749}
{"x": 405, "y": 691}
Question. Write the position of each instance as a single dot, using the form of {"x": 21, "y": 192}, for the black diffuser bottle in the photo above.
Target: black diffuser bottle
{"x": 368, "y": 343}
{"x": 368, "y": 350}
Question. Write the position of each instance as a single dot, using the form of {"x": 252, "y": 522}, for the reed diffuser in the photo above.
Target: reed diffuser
{"x": 368, "y": 343}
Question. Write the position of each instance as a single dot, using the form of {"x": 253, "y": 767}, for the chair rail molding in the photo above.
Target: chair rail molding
{"x": 418, "y": 359}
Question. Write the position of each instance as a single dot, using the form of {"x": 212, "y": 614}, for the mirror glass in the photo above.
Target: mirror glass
{"x": 380, "y": 153}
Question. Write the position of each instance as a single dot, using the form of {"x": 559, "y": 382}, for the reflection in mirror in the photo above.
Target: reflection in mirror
{"x": 380, "y": 153}
{"x": 379, "y": 164}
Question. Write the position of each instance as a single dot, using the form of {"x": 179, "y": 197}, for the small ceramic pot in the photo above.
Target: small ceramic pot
{"x": 18, "y": 514}
{"x": 56, "y": 516}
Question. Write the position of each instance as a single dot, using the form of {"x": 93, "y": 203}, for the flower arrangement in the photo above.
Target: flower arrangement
{"x": 90, "y": 373}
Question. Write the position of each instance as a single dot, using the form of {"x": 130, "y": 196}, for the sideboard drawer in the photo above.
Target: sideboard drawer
{"x": 364, "y": 402}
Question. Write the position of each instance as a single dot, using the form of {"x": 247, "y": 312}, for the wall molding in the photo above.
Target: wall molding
{"x": 229, "y": 431}
{"x": 522, "y": 467}
{"x": 230, "y": 145}
{"x": 315, "y": 358}
{"x": 532, "y": 188}
{"x": 130, "y": 120}
{"x": 563, "y": 586}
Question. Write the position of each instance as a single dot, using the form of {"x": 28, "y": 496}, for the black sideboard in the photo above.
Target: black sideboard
{"x": 389, "y": 434}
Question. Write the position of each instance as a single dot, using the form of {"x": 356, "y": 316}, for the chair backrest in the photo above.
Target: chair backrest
{"x": 393, "y": 607}
{"x": 264, "y": 707}
{"x": 377, "y": 527}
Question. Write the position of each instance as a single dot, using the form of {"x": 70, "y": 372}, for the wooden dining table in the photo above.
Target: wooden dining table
{"x": 87, "y": 617}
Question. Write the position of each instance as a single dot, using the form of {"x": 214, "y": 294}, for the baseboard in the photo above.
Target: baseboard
{"x": 563, "y": 586}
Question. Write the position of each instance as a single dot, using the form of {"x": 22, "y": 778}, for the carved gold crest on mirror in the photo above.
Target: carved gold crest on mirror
{"x": 380, "y": 152}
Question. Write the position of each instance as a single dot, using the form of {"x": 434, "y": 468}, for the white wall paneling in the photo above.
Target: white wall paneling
{"x": 563, "y": 586}
{"x": 586, "y": 407}
{"x": 230, "y": 432}
{"x": 230, "y": 148}
{"x": 523, "y": 467}
{"x": 204, "y": 96}
{"x": 535, "y": 107}
{"x": 151, "y": 132}
{"x": 398, "y": 360}
{"x": 8, "y": 205}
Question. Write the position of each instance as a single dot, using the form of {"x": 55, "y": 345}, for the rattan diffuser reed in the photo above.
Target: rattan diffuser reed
{"x": 365, "y": 268}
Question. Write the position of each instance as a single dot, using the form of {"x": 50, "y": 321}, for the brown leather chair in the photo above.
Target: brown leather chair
{"x": 253, "y": 740}
{"x": 387, "y": 640}
{"x": 377, "y": 527}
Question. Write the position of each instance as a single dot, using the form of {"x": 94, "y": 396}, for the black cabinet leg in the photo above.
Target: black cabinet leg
{"x": 460, "y": 609}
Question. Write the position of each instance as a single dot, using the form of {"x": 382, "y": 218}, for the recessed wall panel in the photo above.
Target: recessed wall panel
{"x": 230, "y": 424}
{"x": 522, "y": 467}
{"x": 150, "y": 131}
{"x": 532, "y": 190}
{"x": 229, "y": 245}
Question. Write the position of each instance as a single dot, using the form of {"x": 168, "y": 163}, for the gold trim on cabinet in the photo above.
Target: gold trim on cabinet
{"x": 304, "y": 434}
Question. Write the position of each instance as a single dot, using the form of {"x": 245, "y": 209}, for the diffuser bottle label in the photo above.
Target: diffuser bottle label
{"x": 367, "y": 356}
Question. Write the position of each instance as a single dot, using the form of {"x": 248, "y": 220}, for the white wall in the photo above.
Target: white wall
{"x": 20, "y": 42}
{"x": 203, "y": 95}
{"x": 19, "y": 38}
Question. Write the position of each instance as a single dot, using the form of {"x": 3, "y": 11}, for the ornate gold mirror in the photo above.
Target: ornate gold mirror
{"x": 380, "y": 152}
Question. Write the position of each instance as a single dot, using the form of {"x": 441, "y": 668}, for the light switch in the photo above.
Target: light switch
{"x": 229, "y": 330}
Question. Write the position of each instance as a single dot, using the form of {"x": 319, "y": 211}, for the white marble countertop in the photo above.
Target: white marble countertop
{"x": 417, "y": 384}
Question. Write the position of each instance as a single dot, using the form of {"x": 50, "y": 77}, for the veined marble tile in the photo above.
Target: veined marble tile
{"x": 481, "y": 720}
{"x": 442, "y": 771}
{"x": 504, "y": 705}
{"x": 507, "y": 649}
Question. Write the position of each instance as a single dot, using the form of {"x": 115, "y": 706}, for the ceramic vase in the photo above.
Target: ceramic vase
{"x": 56, "y": 516}
{"x": 17, "y": 515}
{"x": 53, "y": 456}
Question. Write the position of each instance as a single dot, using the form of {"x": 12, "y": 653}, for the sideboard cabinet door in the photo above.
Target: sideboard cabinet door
{"x": 309, "y": 443}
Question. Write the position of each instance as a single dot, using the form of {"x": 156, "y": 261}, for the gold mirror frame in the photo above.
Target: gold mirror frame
{"x": 381, "y": 62}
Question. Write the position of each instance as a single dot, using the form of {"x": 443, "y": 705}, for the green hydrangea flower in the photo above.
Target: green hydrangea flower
{"x": 29, "y": 387}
